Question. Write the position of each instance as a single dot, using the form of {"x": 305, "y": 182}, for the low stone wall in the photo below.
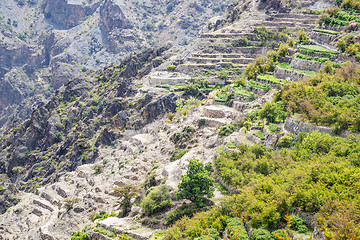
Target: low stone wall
{"x": 121, "y": 231}
{"x": 296, "y": 126}
{"x": 322, "y": 37}
{"x": 306, "y": 65}
{"x": 289, "y": 75}
{"x": 171, "y": 78}
{"x": 254, "y": 139}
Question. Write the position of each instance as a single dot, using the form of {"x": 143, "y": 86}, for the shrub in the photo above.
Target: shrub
{"x": 279, "y": 234}
{"x": 210, "y": 234}
{"x": 184, "y": 135}
{"x": 97, "y": 168}
{"x": 261, "y": 234}
{"x": 236, "y": 230}
{"x": 341, "y": 44}
{"x": 285, "y": 141}
{"x": 302, "y": 37}
{"x": 58, "y": 136}
{"x": 298, "y": 224}
{"x": 223, "y": 74}
{"x": 283, "y": 50}
{"x": 171, "y": 67}
{"x": 80, "y": 236}
{"x": 105, "y": 232}
{"x": 291, "y": 42}
{"x": 241, "y": 42}
{"x": 103, "y": 215}
{"x": 226, "y": 130}
{"x": 202, "y": 122}
{"x": 157, "y": 199}
{"x": 178, "y": 153}
{"x": 178, "y": 213}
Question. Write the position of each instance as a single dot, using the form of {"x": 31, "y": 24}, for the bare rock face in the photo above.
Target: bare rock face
{"x": 14, "y": 52}
{"x": 8, "y": 94}
{"x": 66, "y": 15}
{"x": 112, "y": 17}
{"x": 113, "y": 24}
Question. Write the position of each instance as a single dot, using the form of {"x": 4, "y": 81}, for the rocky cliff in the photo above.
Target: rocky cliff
{"x": 52, "y": 41}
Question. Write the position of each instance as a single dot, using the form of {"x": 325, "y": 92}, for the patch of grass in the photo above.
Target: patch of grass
{"x": 239, "y": 91}
{"x": 231, "y": 145}
{"x": 254, "y": 84}
{"x": 306, "y": 72}
{"x": 178, "y": 153}
{"x": 331, "y": 32}
{"x": 105, "y": 232}
{"x": 167, "y": 87}
{"x": 222, "y": 188}
{"x": 259, "y": 135}
{"x": 270, "y": 78}
{"x": 315, "y": 49}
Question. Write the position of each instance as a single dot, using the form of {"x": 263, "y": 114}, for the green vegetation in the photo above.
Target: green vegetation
{"x": 184, "y": 106}
{"x": 347, "y": 46}
{"x": 272, "y": 112}
{"x": 302, "y": 37}
{"x": 176, "y": 214}
{"x": 157, "y": 199}
{"x": 103, "y": 215}
{"x": 196, "y": 184}
{"x": 236, "y": 229}
{"x": 184, "y": 135}
{"x": 326, "y": 99}
{"x": 178, "y": 153}
{"x": 80, "y": 236}
{"x": 338, "y": 17}
{"x": 226, "y": 130}
{"x": 267, "y": 37}
{"x": 126, "y": 193}
{"x": 315, "y": 49}
{"x": 259, "y": 135}
{"x": 105, "y": 232}
{"x": 254, "y": 84}
{"x": 298, "y": 224}
{"x": 285, "y": 141}
{"x": 171, "y": 67}
{"x": 331, "y": 32}
{"x": 319, "y": 176}
{"x": 261, "y": 234}
{"x": 270, "y": 78}
{"x": 287, "y": 66}
{"x": 262, "y": 65}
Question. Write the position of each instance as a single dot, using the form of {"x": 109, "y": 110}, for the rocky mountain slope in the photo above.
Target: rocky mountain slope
{"x": 122, "y": 127}
{"x": 46, "y": 43}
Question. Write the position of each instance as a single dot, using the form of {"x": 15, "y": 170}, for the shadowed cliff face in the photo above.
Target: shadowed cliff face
{"x": 51, "y": 41}
{"x": 51, "y": 126}
{"x": 66, "y": 15}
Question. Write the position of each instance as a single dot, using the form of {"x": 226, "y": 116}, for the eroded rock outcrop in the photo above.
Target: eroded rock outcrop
{"x": 65, "y": 14}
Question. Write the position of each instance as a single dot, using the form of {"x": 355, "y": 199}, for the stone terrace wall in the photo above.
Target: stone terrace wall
{"x": 296, "y": 126}
{"x": 306, "y": 65}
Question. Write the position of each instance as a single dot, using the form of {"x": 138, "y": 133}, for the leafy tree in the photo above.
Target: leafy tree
{"x": 196, "y": 184}
{"x": 126, "y": 193}
{"x": 303, "y": 38}
{"x": 157, "y": 199}
{"x": 272, "y": 111}
{"x": 285, "y": 141}
{"x": 261, "y": 234}
{"x": 341, "y": 44}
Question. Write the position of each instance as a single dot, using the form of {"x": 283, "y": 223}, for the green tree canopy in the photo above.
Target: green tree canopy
{"x": 196, "y": 183}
